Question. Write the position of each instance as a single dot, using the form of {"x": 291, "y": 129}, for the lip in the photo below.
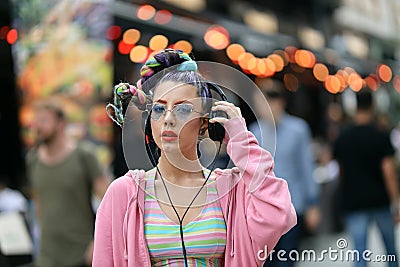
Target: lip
{"x": 169, "y": 136}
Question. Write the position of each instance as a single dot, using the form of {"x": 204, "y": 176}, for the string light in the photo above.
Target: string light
{"x": 146, "y": 12}
{"x": 12, "y": 36}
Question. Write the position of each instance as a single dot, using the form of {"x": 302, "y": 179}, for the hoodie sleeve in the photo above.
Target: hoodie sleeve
{"x": 108, "y": 238}
{"x": 269, "y": 212}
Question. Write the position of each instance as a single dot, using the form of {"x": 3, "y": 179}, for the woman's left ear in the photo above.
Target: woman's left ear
{"x": 203, "y": 126}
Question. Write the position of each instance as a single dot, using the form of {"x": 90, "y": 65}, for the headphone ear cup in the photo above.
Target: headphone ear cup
{"x": 216, "y": 131}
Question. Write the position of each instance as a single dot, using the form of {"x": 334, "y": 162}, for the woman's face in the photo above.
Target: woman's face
{"x": 177, "y": 117}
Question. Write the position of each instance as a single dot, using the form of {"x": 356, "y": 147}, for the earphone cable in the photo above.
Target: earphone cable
{"x": 187, "y": 209}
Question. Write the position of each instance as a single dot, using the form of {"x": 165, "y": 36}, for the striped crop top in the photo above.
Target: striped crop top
{"x": 204, "y": 236}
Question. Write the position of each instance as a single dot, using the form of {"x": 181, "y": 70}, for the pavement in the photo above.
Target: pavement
{"x": 343, "y": 257}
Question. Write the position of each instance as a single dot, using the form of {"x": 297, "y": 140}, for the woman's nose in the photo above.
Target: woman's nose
{"x": 169, "y": 117}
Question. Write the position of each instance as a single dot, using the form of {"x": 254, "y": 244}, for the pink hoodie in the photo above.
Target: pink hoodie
{"x": 257, "y": 210}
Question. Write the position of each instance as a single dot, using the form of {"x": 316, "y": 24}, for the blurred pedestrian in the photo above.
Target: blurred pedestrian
{"x": 294, "y": 162}
{"x": 63, "y": 176}
{"x": 369, "y": 182}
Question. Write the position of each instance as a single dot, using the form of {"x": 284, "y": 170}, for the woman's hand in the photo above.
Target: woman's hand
{"x": 231, "y": 110}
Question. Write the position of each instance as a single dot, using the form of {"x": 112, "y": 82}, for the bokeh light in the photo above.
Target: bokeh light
{"x": 291, "y": 51}
{"x": 146, "y": 12}
{"x": 305, "y": 58}
{"x": 183, "y": 45}
{"x": 384, "y": 72}
{"x": 244, "y": 59}
{"x": 343, "y": 82}
{"x": 284, "y": 55}
{"x": 131, "y": 36}
{"x": 217, "y": 37}
{"x": 139, "y": 54}
{"x": 233, "y": 51}
{"x": 396, "y": 83}
{"x": 355, "y": 82}
{"x": 278, "y": 62}
{"x": 163, "y": 17}
{"x": 12, "y": 36}
{"x": 270, "y": 67}
{"x": 372, "y": 82}
{"x": 113, "y": 32}
{"x": 320, "y": 72}
{"x": 158, "y": 42}
{"x": 291, "y": 82}
{"x": 3, "y": 32}
{"x": 332, "y": 84}
{"x": 124, "y": 48}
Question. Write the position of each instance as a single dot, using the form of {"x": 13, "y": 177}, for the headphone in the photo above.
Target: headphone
{"x": 216, "y": 131}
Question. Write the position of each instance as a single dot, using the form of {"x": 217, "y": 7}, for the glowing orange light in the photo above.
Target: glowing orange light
{"x": 158, "y": 42}
{"x": 305, "y": 58}
{"x": 371, "y": 83}
{"x": 217, "y": 37}
{"x": 343, "y": 83}
{"x": 146, "y": 12}
{"x": 278, "y": 62}
{"x": 234, "y": 51}
{"x": 284, "y": 55}
{"x": 384, "y": 72}
{"x": 291, "y": 51}
{"x": 261, "y": 67}
{"x": 320, "y": 72}
{"x": 332, "y": 84}
{"x": 12, "y": 36}
{"x": 355, "y": 82}
{"x": 291, "y": 82}
{"x": 349, "y": 70}
{"x": 131, "y": 36}
{"x": 113, "y": 32}
{"x": 139, "y": 54}
{"x": 244, "y": 59}
{"x": 163, "y": 17}
{"x": 396, "y": 83}
{"x": 343, "y": 74}
{"x": 252, "y": 65}
{"x": 270, "y": 67}
{"x": 183, "y": 45}
{"x": 124, "y": 48}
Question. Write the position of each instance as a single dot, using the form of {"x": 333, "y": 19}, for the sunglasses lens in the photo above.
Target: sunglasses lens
{"x": 156, "y": 111}
{"x": 182, "y": 111}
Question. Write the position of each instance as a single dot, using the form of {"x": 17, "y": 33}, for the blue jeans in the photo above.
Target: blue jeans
{"x": 357, "y": 224}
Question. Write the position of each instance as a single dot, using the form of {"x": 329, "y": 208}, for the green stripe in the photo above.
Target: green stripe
{"x": 210, "y": 242}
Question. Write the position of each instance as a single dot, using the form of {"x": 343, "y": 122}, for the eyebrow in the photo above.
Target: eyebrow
{"x": 161, "y": 101}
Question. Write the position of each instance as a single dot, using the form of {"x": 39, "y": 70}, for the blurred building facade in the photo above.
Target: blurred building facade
{"x": 322, "y": 51}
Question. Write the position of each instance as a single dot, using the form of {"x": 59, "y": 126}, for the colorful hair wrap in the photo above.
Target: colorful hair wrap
{"x": 188, "y": 66}
{"x": 139, "y": 95}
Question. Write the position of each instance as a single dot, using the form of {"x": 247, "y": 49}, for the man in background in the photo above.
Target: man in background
{"x": 62, "y": 176}
{"x": 369, "y": 182}
{"x": 293, "y": 160}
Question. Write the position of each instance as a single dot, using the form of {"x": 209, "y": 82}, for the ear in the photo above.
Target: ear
{"x": 204, "y": 123}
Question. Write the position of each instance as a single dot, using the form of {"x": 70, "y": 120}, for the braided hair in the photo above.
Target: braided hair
{"x": 141, "y": 94}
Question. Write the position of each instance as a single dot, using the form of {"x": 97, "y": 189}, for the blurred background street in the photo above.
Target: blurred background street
{"x": 315, "y": 55}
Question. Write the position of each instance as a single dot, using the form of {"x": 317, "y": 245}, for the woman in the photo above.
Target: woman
{"x": 179, "y": 213}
